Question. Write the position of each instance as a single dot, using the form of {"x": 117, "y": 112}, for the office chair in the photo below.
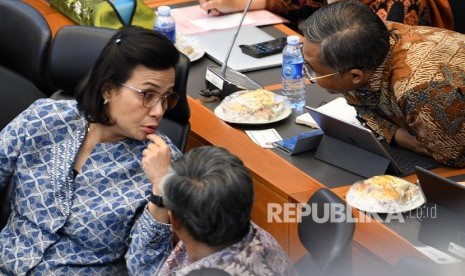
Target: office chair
{"x": 24, "y": 44}
{"x": 25, "y": 41}
{"x": 75, "y": 50}
{"x": 329, "y": 243}
{"x": 6, "y": 195}
{"x": 16, "y": 94}
{"x": 175, "y": 123}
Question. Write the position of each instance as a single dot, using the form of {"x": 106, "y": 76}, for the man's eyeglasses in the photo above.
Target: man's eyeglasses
{"x": 152, "y": 98}
{"x": 311, "y": 76}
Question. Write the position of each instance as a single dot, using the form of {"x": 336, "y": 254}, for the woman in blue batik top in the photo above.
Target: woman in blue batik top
{"x": 80, "y": 194}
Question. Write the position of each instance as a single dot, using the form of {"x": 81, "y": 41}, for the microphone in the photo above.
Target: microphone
{"x": 223, "y": 81}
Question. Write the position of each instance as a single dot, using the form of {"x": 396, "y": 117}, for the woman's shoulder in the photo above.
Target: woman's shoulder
{"x": 49, "y": 111}
{"x": 51, "y": 103}
{"x": 52, "y": 107}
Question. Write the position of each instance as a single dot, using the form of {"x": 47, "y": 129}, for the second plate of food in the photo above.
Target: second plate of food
{"x": 189, "y": 47}
{"x": 385, "y": 194}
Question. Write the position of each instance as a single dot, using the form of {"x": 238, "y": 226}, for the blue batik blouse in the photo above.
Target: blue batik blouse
{"x": 61, "y": 225}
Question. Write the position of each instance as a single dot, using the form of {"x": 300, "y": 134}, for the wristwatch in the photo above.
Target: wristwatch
{"x": 157, "y": 200}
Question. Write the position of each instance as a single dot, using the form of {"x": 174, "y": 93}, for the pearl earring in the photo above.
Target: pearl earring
{"x": 105, "y": 101}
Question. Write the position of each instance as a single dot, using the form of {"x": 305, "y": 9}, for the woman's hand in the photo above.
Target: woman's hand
{"x": 156, "y": 160}
{"x": 408, "y": 141}
{"x": 217, "y": 7}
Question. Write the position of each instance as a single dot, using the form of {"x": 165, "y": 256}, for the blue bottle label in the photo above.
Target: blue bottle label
{"x": 293, "y": 71}
{"x": 171, "y": 34}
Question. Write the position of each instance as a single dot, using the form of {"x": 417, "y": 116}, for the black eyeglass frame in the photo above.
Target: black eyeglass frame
{"x": 165, "y": 99}
{"x": 311, "y": 76}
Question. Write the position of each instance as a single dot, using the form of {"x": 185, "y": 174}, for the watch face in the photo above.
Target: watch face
{"x": 157, "y": 200}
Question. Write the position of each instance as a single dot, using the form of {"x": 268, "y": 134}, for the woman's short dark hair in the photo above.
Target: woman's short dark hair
{"x": 129, "y": 47}
{"x": 351, "y": 36}
{"x": 210, "y": 192}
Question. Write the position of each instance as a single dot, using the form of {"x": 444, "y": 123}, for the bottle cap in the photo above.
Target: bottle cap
{"x": 164, "y": 10}
{"x": 293, "y": 39}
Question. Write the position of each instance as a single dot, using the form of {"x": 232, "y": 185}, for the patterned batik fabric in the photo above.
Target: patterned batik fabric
{"x": 257, "y": 253}
{"x": 420, "y": 87}
{"x": 61, "y": 225}
{"x": 411, "y": 12}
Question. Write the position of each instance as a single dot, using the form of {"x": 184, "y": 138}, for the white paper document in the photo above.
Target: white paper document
{"x": 221, "y": 22}
{"x": 264, "y": 138}
{"x": 337, "y": 108}
{"x": 194, "y": 20}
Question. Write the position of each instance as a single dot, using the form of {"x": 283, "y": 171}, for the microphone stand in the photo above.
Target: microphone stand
{"x": 225, "y": 63}
{"x": 221, "y": 82}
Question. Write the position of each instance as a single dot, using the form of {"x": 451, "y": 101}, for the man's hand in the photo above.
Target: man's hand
{"x": 405, "y": 140}
{"x": 217, "y": 7}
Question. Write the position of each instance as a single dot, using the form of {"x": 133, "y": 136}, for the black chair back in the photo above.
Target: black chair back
{"x": 6, "y": 195}
{"x": 16, "y": 94}
{"x": 329, "y": 242}
{"x": 24, "y": 44}
{"x": 458, "y": 11}
{"x": 175, "y": 123}
{"x": 74, "y": 51}
{"x": 25, "y": 41}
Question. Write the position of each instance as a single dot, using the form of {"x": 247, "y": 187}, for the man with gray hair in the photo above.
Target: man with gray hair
{"x": 406, "y": 82}
{"x": 207, "y": 196}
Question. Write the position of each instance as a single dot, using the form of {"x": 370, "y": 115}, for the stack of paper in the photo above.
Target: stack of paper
{"x": 337, "y": 108}
{"x": 194, "y": 20}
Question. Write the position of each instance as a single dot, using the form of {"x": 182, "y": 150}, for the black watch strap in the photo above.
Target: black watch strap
{"x": 157, "y": 200}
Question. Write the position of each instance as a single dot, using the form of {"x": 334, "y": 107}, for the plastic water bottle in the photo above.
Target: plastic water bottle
{"x": 165, "y": 23}
{"x": 293, "y": 80}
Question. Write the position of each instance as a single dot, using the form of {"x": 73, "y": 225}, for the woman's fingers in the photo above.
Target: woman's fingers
{"x": 156, "y": 159}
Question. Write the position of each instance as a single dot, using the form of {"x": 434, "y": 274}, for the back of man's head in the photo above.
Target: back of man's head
{"x": 210, "y": 192}
{"x": 351, "y": 36}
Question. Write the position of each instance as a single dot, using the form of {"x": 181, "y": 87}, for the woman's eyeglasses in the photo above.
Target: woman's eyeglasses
{"x": 311, "y": 76}
{"x": 152, "y": 98}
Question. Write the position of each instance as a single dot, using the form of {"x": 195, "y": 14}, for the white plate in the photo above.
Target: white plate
{"x": 284, "y": 114}
{"x": 190, "y": 47}
{"x": 372, "y": 206}
{"x": 197, "y": 54}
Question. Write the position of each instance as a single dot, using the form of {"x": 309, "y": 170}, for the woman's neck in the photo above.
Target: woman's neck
{"x": 96, "y": 134}
{"x": 99, "y": 133}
